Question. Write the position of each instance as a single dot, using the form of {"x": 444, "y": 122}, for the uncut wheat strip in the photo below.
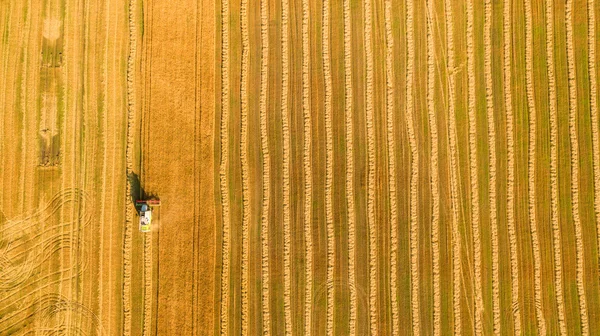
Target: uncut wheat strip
{"x": 594, "y": 109}
{"x": 529, "y": 77}
{"x": 556, "y": 240}
{"x": 575, "y": 166}
{"x": 390, "y": 93}
{"x": 510, "y": 208}
{"x": 307, "y": 166}
{"x": 224, "y": 167}
{"x": 329, "y": 168}
{"x": 349, "y": 124}
{"x": 266, "y": 176}
{"x": 373, "y": 313}
{"x": 456, "y": 238}
{"x": 414, "y": 175}
{"x": 473, "y": 169}
{"x": 127, "y": 239}
{"x": 285, "y": 119}
{"x": 489, "y": 95}
{"x": 245, "y": 166}
{"x": 435, "y": 188}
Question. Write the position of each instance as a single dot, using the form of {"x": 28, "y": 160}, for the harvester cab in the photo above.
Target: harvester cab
{"x": 145, "y": 211}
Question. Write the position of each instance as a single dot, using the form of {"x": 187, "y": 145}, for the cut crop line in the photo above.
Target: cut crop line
{"x": 348, "y": 110}
{"x": 435, "y": 188}
{"x": 127, "y": 235}
{"x": 390, "y": 92}
{"x": 456, "y": 238}
{"x": 594, "y": 110}
{"x": 510, "y": 208}
{"x": 373, "y": 314}
{"x": 473, "y": 167}
{"x": 537, "y": 268}
{"x": 224, "y": 166}
{"x": 307, "y": 165}
{"x": 266, "y": 180}
{"x": 575, "y": 167}
{"x": 557, "y": 240}
{"x": 489, "y": 95}
{"x": 245, "y": 166}
{"x": 414, "y": 174}
{"x": 329, "y": 170}
{"x": 285, "y": 119}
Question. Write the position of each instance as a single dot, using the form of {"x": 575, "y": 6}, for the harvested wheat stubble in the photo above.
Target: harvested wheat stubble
{"x": 454, "y": 172}
{"x": 510, "y": 208}
{"x": 557, "y": 240}
{"x": 390, "y": 91}
{"x": 264, "y": 75}
{"x": 329, "y": 169}
{"x": 348, "y": 110}
{"x": 244, "y": 161}
{"x": 307, "y": 166}
{"x": 373, "y": 313}
{"x": 223, "y": 168}
{"x": 575, "y": 167}
{"x": 435, "y": 192}
{"x": 489, "y": 94}
{"x": 541, "y": 322}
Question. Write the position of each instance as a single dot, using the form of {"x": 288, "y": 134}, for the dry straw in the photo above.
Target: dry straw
{"x": 575, "y": 167}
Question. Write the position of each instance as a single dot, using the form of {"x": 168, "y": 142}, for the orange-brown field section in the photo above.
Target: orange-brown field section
{"x": 324, "y": 167}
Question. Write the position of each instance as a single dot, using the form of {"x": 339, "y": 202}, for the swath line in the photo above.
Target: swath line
{"x": 557, "y": 240}
{"x": 456, "y": 238}
{"x": 245, "y": 166}
{"x": 307, "y": 165}
{"x": 224, "y": 165}
{"x": 127, "y": 238}
{"x": 594, "y": 109}
{"x": 541, "y": 322}
{"x": 473, "y": 168}
{"x": 390, "y": 92}
{"x": 373, "y": 314}
{"x": 264, "y": 76}
{"x": 435, "y": 192}
{"x": 510, "y": 208}
{"x": 575, "y": 167}
{"x": 329, "y": 170}
{"x": 414, "y": 175}
{"x": 489, "y": 95}
{"x": 348, "y": 110}
{"x": 285, "y": 119}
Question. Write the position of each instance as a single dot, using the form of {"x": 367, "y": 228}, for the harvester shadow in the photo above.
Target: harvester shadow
{"x": 137, "y": 190}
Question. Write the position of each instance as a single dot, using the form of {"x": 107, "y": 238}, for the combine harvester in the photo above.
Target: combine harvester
{"x": 146, "y": 213}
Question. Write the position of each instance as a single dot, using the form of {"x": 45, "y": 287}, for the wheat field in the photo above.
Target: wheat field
{"x": 325, "y": 167}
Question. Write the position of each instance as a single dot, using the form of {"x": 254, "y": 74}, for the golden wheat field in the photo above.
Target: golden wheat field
{"x": 324, "y": 167}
